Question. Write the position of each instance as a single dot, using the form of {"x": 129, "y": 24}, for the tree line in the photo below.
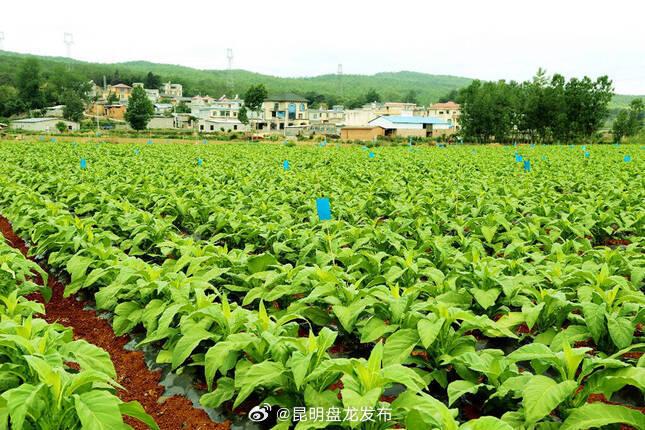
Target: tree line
{"x": 544, "y": 109}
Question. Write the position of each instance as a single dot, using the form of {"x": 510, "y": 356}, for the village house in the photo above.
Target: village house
{"x": 121, "y": 91}
{"x": 364, "y": 133}
{"x": 449, "y": 111}
{"x": 47, "y": 125}
{"x": 326, "y": 121}
{"x": 286, "y": 112}
{"x": 172, "y": 90}
{"x": 201, "y": 101}
{"x": 55, "y": 111}
{"x": 415, "y": 126}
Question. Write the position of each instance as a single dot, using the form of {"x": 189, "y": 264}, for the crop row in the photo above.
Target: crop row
{"x": 477, "y": 291}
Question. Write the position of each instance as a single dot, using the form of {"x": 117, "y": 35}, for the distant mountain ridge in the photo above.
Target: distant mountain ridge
{"x": 392, "y": 86}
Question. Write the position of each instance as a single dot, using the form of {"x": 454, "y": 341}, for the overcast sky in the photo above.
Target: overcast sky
{"x": 491, "y": 39}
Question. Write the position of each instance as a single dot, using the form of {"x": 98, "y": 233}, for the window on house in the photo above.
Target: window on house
{"x": 235, "y": 127}
{"x": 201, "y": 127}
{"x": 212, "y": 128}
{"x": 276, "y": 106}
{"x": 302, "y": 106}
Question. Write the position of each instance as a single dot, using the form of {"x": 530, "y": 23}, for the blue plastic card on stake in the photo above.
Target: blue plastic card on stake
{"x": 285, "y": 164}
{"x": 586, "y": 154}
{"x": 627, "y": 158}
{"x": 137, "y": 152}
{"x": 518, "y": 158}
{"x": 532, "y": 145}
{"x": 149, "y": 142}
{"x": 324, "y": 209}
{"x": 204, "y": 141}
{"x": 584, "y": 147}
{"x": 371, "y": 155}
{"x": 364, "y": 148}
{"x": 83, "y": 164}
{"x": 200, "y": 161}
{"x": 410, "y": 141}
{"x": 53, "y": 139}
{"x": 527, "y": 165}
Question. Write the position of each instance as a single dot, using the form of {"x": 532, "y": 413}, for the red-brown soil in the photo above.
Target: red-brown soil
{"x": 140, "y": 383}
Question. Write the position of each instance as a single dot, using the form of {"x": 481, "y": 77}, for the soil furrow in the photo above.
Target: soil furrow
{"x": 140, "y": 383}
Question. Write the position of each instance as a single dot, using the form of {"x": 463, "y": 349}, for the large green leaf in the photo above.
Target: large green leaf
{"x": 135, "y": 410}
{"x": 399, "y": 346}
{"x": 98, "y": 410}
{"x": 595, "y": 415}
{"x": 542, "y": 394}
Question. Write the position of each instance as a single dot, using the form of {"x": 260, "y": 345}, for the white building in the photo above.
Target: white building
{"x": 47, "y": 125}
{"x": 449, "y": 111}
{"x": 418, "y": 126}
{"x": 173, "y": 90}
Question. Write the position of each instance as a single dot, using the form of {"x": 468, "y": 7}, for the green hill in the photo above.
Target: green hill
{"x": 391, "y": 86}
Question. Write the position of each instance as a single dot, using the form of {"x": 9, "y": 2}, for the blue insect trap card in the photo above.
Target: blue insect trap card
{"x": 53, "y": 140}
{"x": 364, "y": 148}
{"x": 149, "y": 142}
{"x": 200, "y": 161}
{"x": 586, "y": 154}
{"x": 323, "y": 208}
{"x": 137, "y": 152}
{"x": 584, "y": 147}
{"x": 518, "y": 158}
{"x": 532, "y": 145}
{"x": 83, "y": 164}
{"x": 371, "y": 155}
{"x": 204, "y": 141}
{"x": 527, "y": 165}
{"x": 285, "y": 165}
{"x": 627, "y": 158}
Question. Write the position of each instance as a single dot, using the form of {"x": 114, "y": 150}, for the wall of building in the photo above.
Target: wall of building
{"x": 361, "y": 133}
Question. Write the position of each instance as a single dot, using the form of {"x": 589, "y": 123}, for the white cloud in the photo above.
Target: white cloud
{"x": 491, "y": 39}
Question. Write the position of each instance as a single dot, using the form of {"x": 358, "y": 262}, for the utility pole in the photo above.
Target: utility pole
{"x": 229, "y": 56}
{"x": 340, "y": 80}
{"x": 68, "y": 40}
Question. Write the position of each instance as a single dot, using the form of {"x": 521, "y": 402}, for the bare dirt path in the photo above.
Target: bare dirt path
{"x": 140, "y": 383}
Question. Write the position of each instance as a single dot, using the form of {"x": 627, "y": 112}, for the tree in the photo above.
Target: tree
{"x": 372, "y": 96}
{"x": 74, "y": 107}
{"x": 140, "y": 109}
{"x": 60, "y": 125}
{"x": 242, "y": 115}
{"x": 636, "y": 114}
{"x": 182, "y": 107}
{"x": 29, "y": 82}
{"x": 411, "y": 97}
{"x": 10, "y": 102}
{"x": 152, "y": 81}
{"x": 254, "y": 97}
{"x": 629, "y": 122}
{"x": 112, "y": 98}
{"x": 449, "y": 97}
{"x": 620, "y": 127}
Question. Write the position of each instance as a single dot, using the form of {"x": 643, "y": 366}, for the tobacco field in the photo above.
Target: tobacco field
{"x": 454, "y": 287}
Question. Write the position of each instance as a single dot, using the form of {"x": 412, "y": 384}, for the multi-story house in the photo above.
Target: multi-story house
{"x": 449, "y": 111}
{"x": 121, "y": 91}
{"x": 173, "y": 90}
{"x": 287, "y": 113}
{"x": 326, "y": 121}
